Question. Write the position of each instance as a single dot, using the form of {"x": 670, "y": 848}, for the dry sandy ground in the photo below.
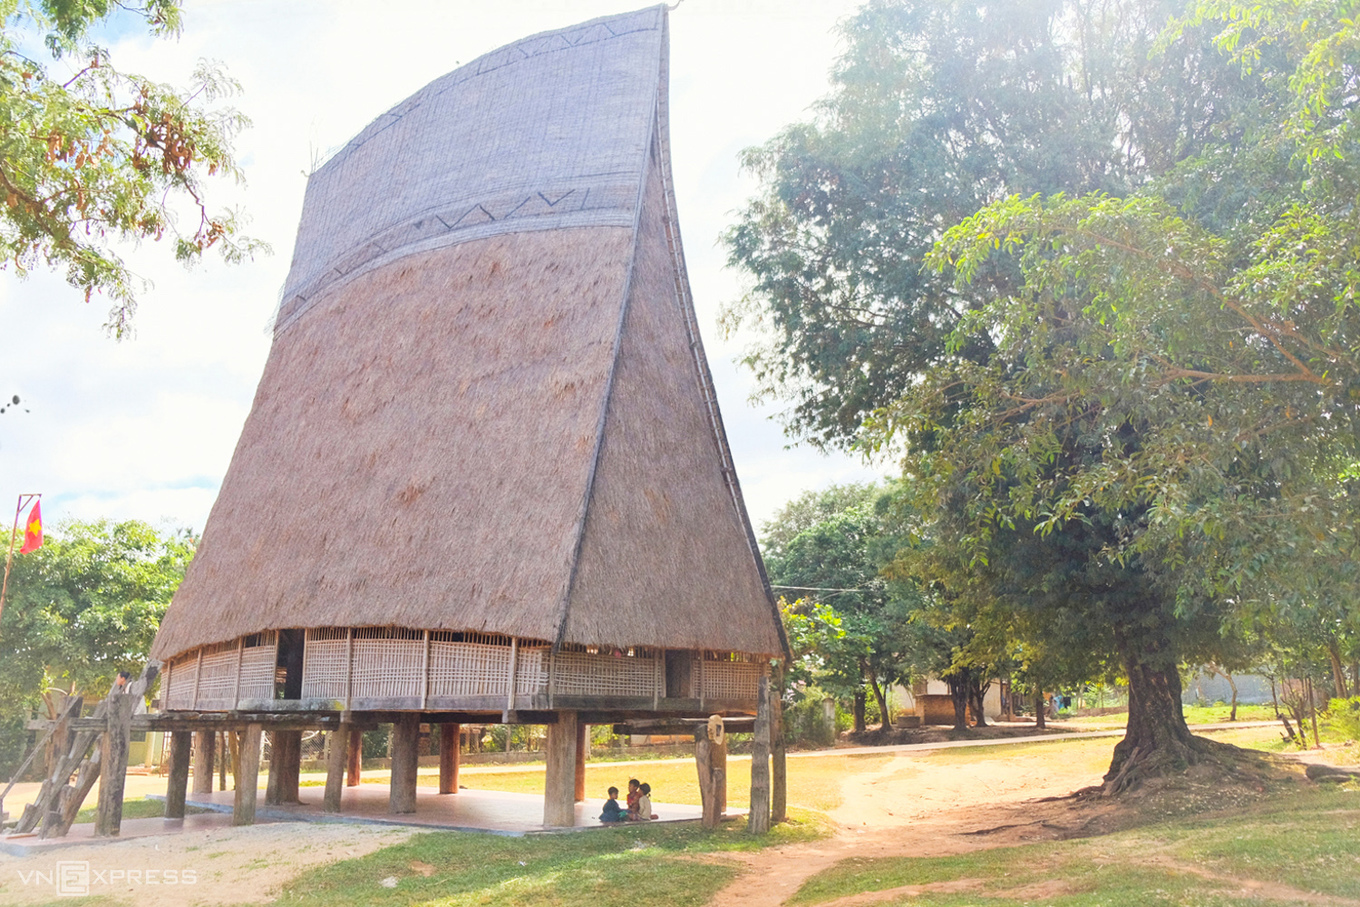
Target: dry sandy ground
{"x": 917, "y": 804}
{"x": 932, "y": 806}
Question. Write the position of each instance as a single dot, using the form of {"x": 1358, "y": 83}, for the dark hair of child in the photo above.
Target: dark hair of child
{"x": 613, "y": 792}
{"x": 646, "y": 788}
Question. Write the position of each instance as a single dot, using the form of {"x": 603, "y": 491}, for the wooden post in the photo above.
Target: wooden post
{"x": 582, "y": 747}
{"x": 205, "y": 750}
{"x": 223, "y": 748}
{"x": 356, "y": 757}
{"x": 759, "y": 820}
{"x": 180, "y": 741}
{"x": 276, "y": 747}
{"x": 710, "y": 757}
{"x": 234, "y": 745}
{"x": 336, "y": 744}
{"x": 559, "y": 783}
{"x": 720, "y": 772}
{"x": 108, "y": 817}
{"x": 449, "y": 737}
{"x": 248, "y": 779}
{"x": 285, "y": 759}
{"x": 779, "y": 810}
{"x": 405, "y": 760}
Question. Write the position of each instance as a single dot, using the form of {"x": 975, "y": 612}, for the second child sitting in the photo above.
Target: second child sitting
{"x": 612, "y": 811}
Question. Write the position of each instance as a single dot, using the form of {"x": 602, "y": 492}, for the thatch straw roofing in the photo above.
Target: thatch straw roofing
{"x": 505, "y": 425}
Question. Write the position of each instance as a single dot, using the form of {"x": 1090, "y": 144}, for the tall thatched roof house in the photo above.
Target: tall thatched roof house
{"x": 485, "y": 475}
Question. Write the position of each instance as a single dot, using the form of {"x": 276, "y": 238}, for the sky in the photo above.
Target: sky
{"x": 145, "y": 428}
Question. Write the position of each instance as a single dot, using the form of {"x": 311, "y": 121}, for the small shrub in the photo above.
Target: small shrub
{"x": 1344, "y": 715}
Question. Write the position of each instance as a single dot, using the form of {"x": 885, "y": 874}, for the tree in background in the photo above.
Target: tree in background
{"x": 843, "y": 615}
{"x": 1021, "y": 413}
{"x": 81, "y": 608}
{"x": 92, "y": 155}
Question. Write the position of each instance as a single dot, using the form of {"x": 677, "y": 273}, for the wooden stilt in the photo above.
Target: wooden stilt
{"x": 223, "y": 748}
{"x": 449, "y": 736}
{"x": 276, "y": 747}
{"x": 356, "y": 757}
{"x": 234, "y": 744}
{"x": 337, "y": 742}
{"x": 108, "y": 817}
{"x": 205, "y": 750}
{"x": 175, "y": 788}
{"x": 405, "y": 760}
{"x": 758, "y": 822}
{"x": 582, "y": 748}
{"x": 248, "y": 778}
{"x": 285, "y": 761}
{"x": 559, "y": 787}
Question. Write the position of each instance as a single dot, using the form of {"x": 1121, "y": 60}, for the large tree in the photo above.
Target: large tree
{"x": 941, "y": 108}
{"x": 80, "y": 609}
{"x": 91, "y": 156}
{"x": 1183, "y": 376}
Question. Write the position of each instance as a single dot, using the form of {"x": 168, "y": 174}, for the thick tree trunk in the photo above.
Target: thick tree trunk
{"x": 1157, "y": 740}
{"x": 977, "y": 694}
{"x": 958, "y": 690}
{"x": 859, "y": 712}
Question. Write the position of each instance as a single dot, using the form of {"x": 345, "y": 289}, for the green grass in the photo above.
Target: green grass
{"x": 1209, "y": 714}
{"x": 1309, "y": 842}
{"x": 813, "y": 783}
{"x": 629, "y": 866}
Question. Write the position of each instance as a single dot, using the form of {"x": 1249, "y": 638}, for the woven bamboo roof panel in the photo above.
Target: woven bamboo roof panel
{"x": 505, "y": 426}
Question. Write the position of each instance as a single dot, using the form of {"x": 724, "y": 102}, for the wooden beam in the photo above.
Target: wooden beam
{"x": 337, "y": 742}
{"x": 449, "y": 742}
{"x": 248, "y": 781}
{"x": 405, "y": 761}
{"x": 559, "y": 786}
{"x": 178, "y": 783}
{"x": 205, "y": 750}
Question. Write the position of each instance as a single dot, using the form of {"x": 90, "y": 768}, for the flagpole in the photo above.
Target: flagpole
{"x": 9, "y": 558}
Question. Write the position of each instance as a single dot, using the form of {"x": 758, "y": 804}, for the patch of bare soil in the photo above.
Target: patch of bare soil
{"x": 223, "y": 866}
{"x": 927, "y": 807}
{"x": 893, "y": 736}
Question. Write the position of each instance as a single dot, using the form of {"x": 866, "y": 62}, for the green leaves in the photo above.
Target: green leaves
{"x": 100, "y": 157}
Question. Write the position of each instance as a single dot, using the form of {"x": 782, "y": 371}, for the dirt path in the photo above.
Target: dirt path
{"x": 916, "y": 805}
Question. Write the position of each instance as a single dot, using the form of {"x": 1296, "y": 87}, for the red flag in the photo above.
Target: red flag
{"x": 33, "y": 530}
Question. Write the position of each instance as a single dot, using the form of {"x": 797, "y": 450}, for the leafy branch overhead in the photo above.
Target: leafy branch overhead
{"x": 93, "y": 156}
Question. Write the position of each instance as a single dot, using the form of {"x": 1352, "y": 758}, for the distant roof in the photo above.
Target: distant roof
{"x": 551, "y": 131}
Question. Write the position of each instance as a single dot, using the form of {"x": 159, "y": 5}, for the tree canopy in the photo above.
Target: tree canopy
{"x": 1125, "y": 385}
{"x": 93, "y": 156}
{"x": 83, "y": 607}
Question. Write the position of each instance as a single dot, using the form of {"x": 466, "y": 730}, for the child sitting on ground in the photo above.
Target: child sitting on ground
{"x": 633, "y": 793}
{"x": 612, "y": 811}
{"x": 643, "y": 813}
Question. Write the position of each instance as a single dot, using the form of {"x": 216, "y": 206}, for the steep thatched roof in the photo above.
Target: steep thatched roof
{"x": 486, "y": 407}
